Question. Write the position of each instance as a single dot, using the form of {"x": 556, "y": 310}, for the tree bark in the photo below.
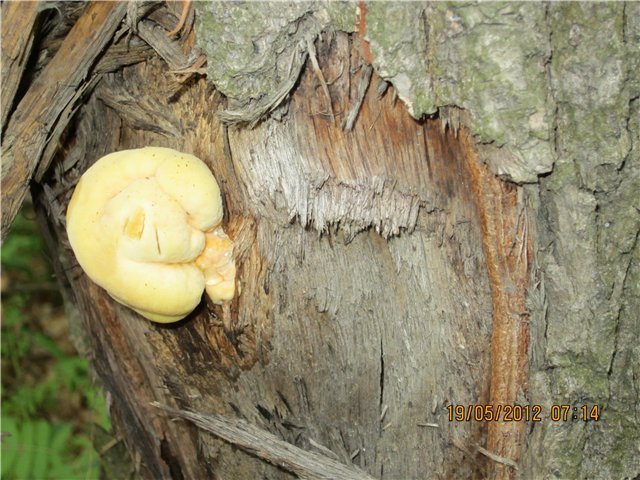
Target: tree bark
{"x": 389, "y": 268}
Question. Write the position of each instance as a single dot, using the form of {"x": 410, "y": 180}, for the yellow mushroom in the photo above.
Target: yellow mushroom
{"x": 144, "y": 224}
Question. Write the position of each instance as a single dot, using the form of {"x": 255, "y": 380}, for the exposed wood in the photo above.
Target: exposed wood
{"x": 326, "y": 330}
{"x": 363, "y": 85}
{"x": 345, "y": 163}
{"x": 169, "y": 50}
{"x": 508, "y": 252}
{"x": 116, "y": 56}
{"x": 37, "y": 114}
{"x": 306, "y": 465}
{"x": 121, "y": 54}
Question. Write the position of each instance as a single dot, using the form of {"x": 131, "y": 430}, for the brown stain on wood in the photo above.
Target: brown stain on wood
{"x": 361, "y": 28}
{"x": 385, "y": 143}
{"x": 508, "y": 252}
{"x": 427, "y": 159}
{"x": 430, "y": 159}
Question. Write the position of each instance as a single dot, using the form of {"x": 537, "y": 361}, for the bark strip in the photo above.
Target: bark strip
{"x": 18, "y": 21}
{"x": 36, "y": 116}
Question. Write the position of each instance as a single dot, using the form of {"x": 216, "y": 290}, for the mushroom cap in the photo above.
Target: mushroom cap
{"x": 138, "y": 220}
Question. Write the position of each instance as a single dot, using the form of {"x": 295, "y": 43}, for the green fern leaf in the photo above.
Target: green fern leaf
{"x": 41, "y": 449}
{"x": 22, "y": 470}
{"x": 10, "y": 441}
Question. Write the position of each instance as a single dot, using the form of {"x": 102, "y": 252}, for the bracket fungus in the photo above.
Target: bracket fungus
{"x": 145, "y": 225}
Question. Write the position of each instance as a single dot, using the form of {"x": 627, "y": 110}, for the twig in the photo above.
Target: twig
{"x": 365, "y": 80}
{"x": 384, "y": 412}
{"x": 431, "y": 425}
{"x": 462, "y": 447}
{"x": 109, "y": 445}
{"x": 266, "y": 446}
{"x": 311, "y": 48}
{"x": 183, "y": 19}
{"x": 497, "y": 458}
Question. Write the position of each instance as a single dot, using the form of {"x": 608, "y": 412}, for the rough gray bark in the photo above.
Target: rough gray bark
{"x": 387, "y": 272}
{"x": 588, "y": 222}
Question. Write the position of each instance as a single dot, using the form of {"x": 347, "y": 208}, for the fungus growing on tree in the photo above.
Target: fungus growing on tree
{"x": 145, "y": 225}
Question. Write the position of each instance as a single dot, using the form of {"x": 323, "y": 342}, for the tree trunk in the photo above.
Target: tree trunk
{"x": 432, "y": 206}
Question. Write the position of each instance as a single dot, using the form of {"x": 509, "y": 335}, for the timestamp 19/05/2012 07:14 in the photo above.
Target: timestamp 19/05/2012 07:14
{"x": 523, "y": 413}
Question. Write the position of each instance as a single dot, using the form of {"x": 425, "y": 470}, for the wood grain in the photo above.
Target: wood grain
{"x": 37, "y": 114}
{"x": 18, "y": 20}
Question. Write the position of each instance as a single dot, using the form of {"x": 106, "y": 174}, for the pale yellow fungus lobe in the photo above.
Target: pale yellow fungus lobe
{"x": 145, "y": 225}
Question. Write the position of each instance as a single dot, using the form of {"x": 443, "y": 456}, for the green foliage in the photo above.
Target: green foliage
{"x": 37, "y": 449}
{"x": 51, "y": 410}
{"x": 14, "y": 345}
{"x": 21, "y": 246}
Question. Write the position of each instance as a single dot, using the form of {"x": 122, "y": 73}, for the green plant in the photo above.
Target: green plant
{"x": 37, "y": 449}
{"x": 51, "y": 410}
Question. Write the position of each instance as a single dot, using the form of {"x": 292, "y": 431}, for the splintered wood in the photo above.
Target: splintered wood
{"x": 262, "y": 444}
{"x": 378, "y": 174}
{"x": 57, "y": 86}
